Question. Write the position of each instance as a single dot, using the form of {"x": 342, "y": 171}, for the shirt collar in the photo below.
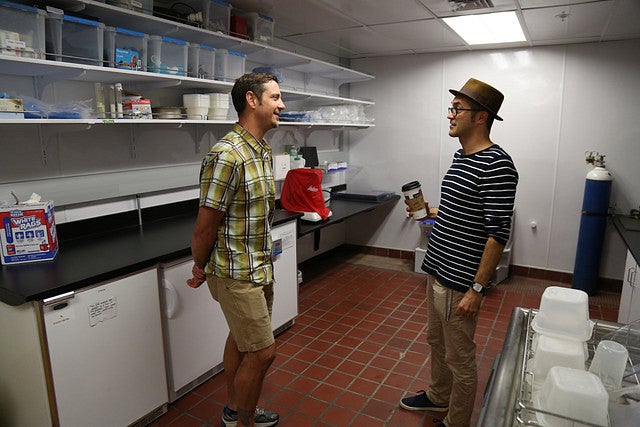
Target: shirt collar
{"x": 259, "y": 146}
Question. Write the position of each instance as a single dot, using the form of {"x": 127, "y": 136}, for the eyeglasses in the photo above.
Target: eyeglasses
{"x": 455, "y": 110}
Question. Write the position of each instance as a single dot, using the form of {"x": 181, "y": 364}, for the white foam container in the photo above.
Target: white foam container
{"x": 195, "y": 100}
{"x": 563, "y": 313}
{"x": 572, "y": 393}
{"x": 552, "y": 351}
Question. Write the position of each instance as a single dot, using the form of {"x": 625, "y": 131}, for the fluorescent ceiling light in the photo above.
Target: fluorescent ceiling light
{"x": 502, "y": 27}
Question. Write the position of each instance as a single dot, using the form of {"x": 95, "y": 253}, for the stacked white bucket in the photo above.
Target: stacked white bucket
{"x": 562, "y": 385}
{"x": 203, "y": 106}
{"x": 218, "y": 106}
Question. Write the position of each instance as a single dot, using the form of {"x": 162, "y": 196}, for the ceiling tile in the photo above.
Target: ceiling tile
{"x": 427, "y": 34}
{"x": 583, "y": 21}
{"x": 370, "y": 12}
{"x": 442, "y": 8}
{"x": 625, "y": 19}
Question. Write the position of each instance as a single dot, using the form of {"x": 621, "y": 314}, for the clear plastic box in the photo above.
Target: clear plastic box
{"x": 202, "y": 59}
{"x": 125, "y": 49}
{"x": 143, "y": 6}
{"x": 73, "y": 39}
{"x": 22, "y": 30}
{"x": 167, "y": 55}
{"x": 260, "y": 27}
{"x": 217, "y": 15}
{"x": 229, "y": 64}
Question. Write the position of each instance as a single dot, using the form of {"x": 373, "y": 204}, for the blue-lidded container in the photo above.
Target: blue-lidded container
{"x": 168, "y": 56}
{"x": 73, "y": 39}
{"x": 125, "y": 49}
{"x": 22, "y": 30}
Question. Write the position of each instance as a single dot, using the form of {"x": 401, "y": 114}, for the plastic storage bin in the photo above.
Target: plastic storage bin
{"x": 125, "y": 49}
{"x": 202, "y": 59}
{"x": 167, "y": 55}
{"x": 22, "y": 30}
{"x": 259, "y": 27}
{"x": 144, "y": 6}
{"x": 229, "y": 64}
{"x": 73, "y": 39}
{"x": 563, "y": 313}
{"x": 217, "y": 15}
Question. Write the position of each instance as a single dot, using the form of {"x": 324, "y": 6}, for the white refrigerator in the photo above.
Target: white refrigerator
{"x": 105, "y": 352}
{"x": 196, "y": 329}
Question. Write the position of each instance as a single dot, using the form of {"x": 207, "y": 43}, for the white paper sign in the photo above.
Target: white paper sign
{"x": 102, "y": 310}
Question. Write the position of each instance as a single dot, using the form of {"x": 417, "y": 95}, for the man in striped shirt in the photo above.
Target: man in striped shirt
{"x": 471, "y": 229}
{"x": 231, "y": 244}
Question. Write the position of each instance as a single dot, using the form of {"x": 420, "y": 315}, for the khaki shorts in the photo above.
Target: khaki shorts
{"x": 247, "y": 308}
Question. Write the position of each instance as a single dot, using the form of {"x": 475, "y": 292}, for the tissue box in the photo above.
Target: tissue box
{"x": 11, "y": 108}
{"x": 28, "y": 232}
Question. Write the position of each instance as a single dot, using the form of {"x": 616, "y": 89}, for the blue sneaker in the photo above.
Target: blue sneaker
{"x": 420, "y": 402}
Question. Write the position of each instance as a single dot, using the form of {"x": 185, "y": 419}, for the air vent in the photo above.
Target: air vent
{"x": 465, "y": 5}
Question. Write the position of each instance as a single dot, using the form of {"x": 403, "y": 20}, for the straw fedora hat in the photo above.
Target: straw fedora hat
{"x": 485, "y": 95}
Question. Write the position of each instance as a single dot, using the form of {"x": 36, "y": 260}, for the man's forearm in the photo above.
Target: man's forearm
{"x": 489, "y": 261}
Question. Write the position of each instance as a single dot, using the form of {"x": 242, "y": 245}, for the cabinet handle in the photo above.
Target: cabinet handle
{"x": 58, "y": 299}
{"x": 631, "y": 276}
{"x": 171, "y": 298}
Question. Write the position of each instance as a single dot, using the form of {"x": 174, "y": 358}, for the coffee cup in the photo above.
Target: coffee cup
{"x": 413, "y": 196}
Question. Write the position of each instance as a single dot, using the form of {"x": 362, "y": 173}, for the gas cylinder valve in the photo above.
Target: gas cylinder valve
{"x": 594, "y": 158}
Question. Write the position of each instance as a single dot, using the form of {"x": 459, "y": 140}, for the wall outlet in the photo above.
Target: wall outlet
{"x": 281, "y": 166}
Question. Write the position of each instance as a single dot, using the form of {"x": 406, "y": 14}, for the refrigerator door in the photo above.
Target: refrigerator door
{"x": 285, "y": 272}
{"x": 106, "y": 352}
{"x": 196, "y": 329}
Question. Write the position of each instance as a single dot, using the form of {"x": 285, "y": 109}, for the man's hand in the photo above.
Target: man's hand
{"x": 198, "y": 277}
{"x": 470, "y": 304}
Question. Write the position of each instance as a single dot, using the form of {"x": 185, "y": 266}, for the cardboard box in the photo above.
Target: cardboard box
{"x": 11, "y": 108}
{"x": 28, "y": 232}
{"x": 138, "y": 109}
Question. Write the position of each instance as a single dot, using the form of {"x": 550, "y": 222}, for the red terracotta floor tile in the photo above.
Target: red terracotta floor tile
{"x": 357, "y": 347}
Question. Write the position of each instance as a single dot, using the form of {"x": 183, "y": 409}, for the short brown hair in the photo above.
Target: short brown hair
{"x": 253, "y": 82}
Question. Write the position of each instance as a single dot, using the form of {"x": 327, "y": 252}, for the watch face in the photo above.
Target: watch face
{"x": 478, "y": 287}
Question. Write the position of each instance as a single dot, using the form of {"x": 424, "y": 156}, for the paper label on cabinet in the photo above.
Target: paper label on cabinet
{"x": 102, "y": 310}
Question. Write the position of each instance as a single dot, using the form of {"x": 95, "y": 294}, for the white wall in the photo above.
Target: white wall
{"x": 560, "y": 101}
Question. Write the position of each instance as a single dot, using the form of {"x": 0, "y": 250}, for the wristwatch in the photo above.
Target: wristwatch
{"x": 479, "y": 288}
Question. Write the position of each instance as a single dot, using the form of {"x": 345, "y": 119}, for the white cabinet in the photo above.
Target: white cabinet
{"x": 196, "y": 330}
{"x": 105, "y": 352}
{"x": 285, "y": 272}
{"x": 630, "y": 298}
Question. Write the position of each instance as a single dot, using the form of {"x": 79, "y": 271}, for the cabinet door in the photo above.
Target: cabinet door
{"x": 106, "y": 352}
{"x": 195, "y": 327}
{"x": 285, "y": 271}
{"x": 630, "y": 297}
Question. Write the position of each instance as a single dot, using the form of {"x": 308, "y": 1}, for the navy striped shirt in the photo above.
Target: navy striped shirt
{"x": 476, "y": 203}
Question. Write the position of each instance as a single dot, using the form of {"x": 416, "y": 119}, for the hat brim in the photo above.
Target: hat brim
{"x": 458, "y": 93}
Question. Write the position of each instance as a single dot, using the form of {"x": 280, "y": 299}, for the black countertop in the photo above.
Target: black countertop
{"x": 84, "y": 261}
{"x": 629, "y": 229}
{"x": 86, "y": 257}
{"x": 341, "y": 210}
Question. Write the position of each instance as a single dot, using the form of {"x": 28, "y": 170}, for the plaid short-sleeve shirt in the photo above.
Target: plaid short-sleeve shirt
{"x": 236, "y": 177}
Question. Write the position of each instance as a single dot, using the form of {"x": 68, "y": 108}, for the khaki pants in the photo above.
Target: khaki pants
{"x": 454, "y": 375}
{"x": 247, "y": 308}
